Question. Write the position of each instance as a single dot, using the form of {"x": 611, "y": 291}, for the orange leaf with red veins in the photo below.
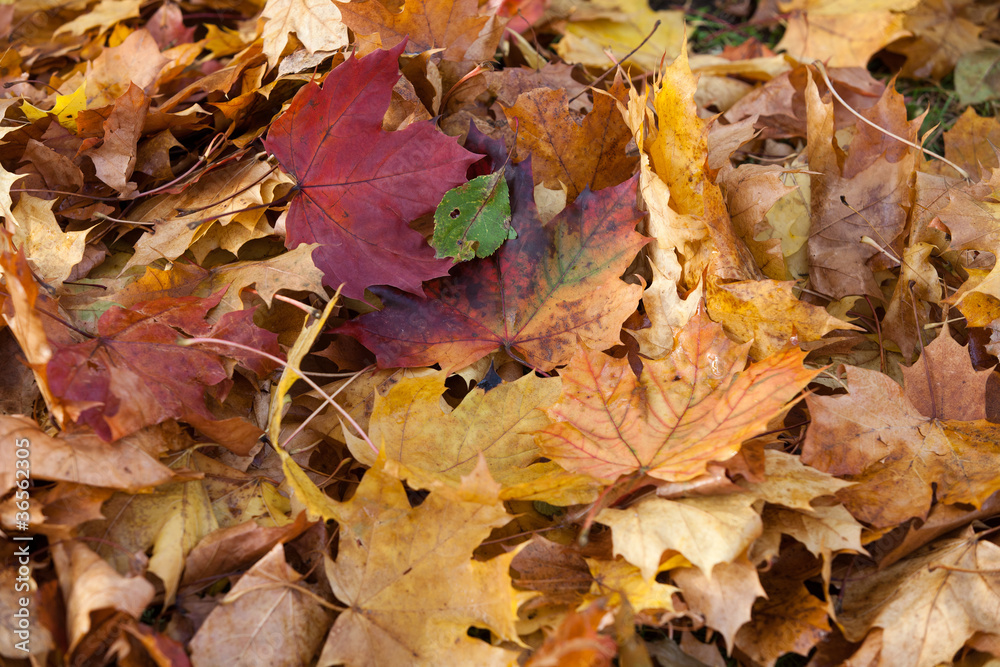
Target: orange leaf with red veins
{"x": 691, "y": 408}
{"x": 134, "y": 373}
{"x": 540, "y": 293}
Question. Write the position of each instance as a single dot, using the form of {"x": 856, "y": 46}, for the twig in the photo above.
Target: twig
{"x": 829, "y": 84}
{"x": 281, "y": 362}
{"x": 611, "y": 69}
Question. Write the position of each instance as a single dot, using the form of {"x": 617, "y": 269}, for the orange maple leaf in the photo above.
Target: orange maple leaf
{"x": 684, "y": 411}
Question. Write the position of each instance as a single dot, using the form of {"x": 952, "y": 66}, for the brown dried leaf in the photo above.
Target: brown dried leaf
{"x": 269, "y": 619}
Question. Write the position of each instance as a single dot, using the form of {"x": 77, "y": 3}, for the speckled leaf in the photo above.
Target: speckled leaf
{"x": 472, "y": 220}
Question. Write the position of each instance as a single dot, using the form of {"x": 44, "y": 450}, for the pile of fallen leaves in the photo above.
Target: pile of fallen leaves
{"x": 428, "y": 332}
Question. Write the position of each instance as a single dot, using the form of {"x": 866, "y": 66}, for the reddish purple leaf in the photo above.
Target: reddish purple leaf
{"x": 361, "y": 186}
{"x": 135, "y": 374}
{"x": 537, "y": 296}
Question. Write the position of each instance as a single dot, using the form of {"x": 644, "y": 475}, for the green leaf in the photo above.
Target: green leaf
{"x": 473, "y": 220}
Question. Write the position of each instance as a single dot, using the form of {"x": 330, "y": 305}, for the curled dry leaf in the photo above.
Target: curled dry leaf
{"x": 129, "y": 464}
{"x": 317, "y": 24}
{"x": 89, "y": 584}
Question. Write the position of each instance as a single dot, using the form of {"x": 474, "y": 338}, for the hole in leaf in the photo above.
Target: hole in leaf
{"x": 456, "y": 388}
{"x": 479, "y": 633}
{"x": 415, "y": 497}
{"x": 455, "y": 213}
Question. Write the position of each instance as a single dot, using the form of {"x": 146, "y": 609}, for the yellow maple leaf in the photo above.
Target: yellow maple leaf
{"x": 841, "y": 40}
{"x": 409, "y": 580}
{"x": 414, "y": 427}
{"x": 65, "y": 109}
{"x": 619, "y": 26}
{"x": 767, "y": 313}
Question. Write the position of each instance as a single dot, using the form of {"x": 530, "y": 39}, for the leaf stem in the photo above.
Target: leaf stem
{"x": 189, "y": 211}
{"x": 201, "y": 160}
{"x": 354, "y": 376}
{"x": 281, "y": 362}
{"x": 829, "y": 84}
{"x": 66, "y": 193}
{"x": 478, "y": 69}
{"x": 923, "y": 355}
{"x": 308, "y": 310}
{"x": 195, "y": 223}
{"x": 618, "y": 64}
{"x": 236, "y": 595}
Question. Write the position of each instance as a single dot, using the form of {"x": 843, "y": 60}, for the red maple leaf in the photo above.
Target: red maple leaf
{"x": 134, "y": 373}
{"x": 361, "y": 186}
